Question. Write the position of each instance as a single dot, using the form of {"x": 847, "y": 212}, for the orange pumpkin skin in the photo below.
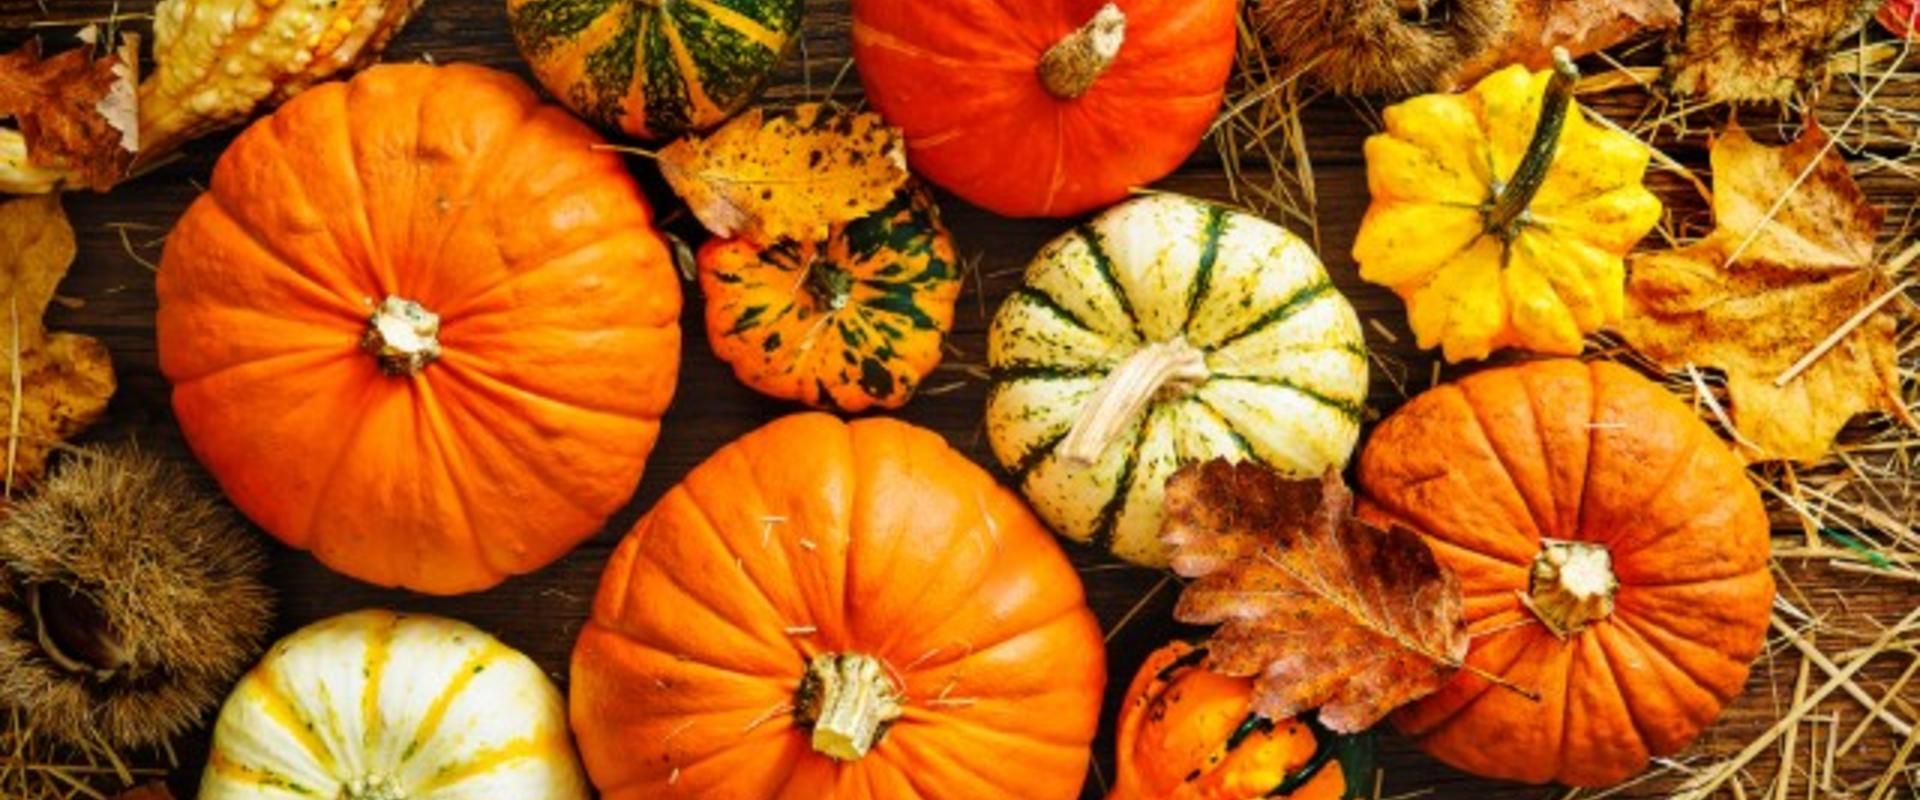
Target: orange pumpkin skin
{"x": 959, "y": 77}
{"x": 1597, "y": 455}
{"x": 813, "y": 536}
{"x": 455, "y": 188}
{"x": 1189, "y": 734}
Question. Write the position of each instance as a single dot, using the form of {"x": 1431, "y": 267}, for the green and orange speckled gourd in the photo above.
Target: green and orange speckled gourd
{"x": 654, "y": 68}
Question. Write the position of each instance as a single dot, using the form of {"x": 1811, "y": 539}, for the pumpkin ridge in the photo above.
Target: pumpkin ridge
{"x": 1215, "y": 227}
{"x": 1347, "y": 409}
{"x": 769, "y": 606}
{"x": 1032, "y": 459}
{"x": 1239, "y": 439}
{"x": 1664, "y": 484}
{"x": 681, "y": 660}
{"x": 1481, "y": 685}
{"x": 282, "y": 710}
{"x": 747, "y": 27}
{"x": 321, "y": 358}
{"x": 490, "y": 758}
{"x": 380, "y": 270}
{"x": 460, "y": 307}
{"x": 347, "y": 304}
{"x": 489, "y": 154}
{"x": 431, "y": 419}
{"x": 429, "y": 727}
{"x": 689, "y": 69}
{"x": 311, "y": 531}
{"x": 1065, "y": 613}
{"x": 1541, "y": 526}
{"x": 1122, "y": 487}
{"x": 476, "y": 373}
{"x": 1103, "y": 265}
{"x": 1608, "y": 652}
{"x": 1591, "y": 638}
{"x": 374, "y": 669}
{"x": 1650, "y": 644}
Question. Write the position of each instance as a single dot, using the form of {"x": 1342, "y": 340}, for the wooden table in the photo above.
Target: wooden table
{"x": 540, "y": 613}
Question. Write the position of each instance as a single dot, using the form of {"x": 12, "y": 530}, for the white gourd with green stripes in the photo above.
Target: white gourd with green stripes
{"x": 375, "y": 705}
{"x": 1260, "y": 358}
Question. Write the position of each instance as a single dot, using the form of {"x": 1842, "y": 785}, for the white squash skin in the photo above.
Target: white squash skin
{"x": 1286, "y": 384}
{"x": 303, "y": 723}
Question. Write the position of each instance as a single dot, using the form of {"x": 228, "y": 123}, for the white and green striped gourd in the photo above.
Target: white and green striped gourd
{"x": 1164, "y": 331}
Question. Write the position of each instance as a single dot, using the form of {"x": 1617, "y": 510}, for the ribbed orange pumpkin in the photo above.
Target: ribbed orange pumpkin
{"x": 1613, "y": 555}
{"x": 837, "y": 611}
{"x": 419, "y": 327}
{"x": 1046, "y": 107}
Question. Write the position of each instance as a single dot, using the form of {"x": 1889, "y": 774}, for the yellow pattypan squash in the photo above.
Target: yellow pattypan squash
{"x": 1501, "y": 216}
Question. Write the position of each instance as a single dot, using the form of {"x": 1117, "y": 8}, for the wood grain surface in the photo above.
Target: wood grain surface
{"x": 111, "y": 287}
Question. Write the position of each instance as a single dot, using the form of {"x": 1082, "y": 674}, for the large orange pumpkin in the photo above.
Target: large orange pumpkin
{"x": 1613, "y": 555}
{"x": 1046, "y": 107}
{"x": 418, "y": 326}
{"x": 835, "y": 611}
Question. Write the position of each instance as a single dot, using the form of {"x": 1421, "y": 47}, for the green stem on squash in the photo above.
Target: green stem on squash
{"x": 1571, "y": 586}
{"x": 1126, "y": 392}
{"x": 1069, "y": 68}
{"x": 402, "y": 335}
{"x": 1510, "y": 203}
{"x": 848, "y": 699}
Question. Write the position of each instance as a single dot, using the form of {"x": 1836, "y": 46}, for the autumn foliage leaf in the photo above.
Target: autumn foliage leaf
{"x": 1743, "y": 50}
{"x": 77, "y": 114}
{"x": 1328, "y": 611}
{"x": 769, "y": 175}
{"x": 65, "y": 378}
{"x": 1761, "y": 292}
{"x": 1580, "y": 26}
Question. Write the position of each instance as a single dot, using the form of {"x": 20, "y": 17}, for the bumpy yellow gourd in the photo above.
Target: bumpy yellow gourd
{"x": 1502, "y": 217}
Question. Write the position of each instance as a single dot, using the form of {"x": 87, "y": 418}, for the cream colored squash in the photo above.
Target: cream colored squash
{"x": 375, "y": 705}
{"x": 1164, "y": 331}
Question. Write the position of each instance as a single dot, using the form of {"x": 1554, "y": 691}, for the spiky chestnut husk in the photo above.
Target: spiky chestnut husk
{"x": 130, "y": 600}
{"x": 1388, "y": 47}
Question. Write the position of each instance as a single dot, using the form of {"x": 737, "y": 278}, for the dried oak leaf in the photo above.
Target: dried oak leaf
{"x": 150, "y": 791}
{"x": 76, "y": 113}
{"x": 1803, "y": 275}
{"x": 65, "y": 378}
{"x": 1580, "y": 26}
{"x": 769, "y": 175}
{"x": 1329, "y": 612}
{"x": 1745, "y": 50}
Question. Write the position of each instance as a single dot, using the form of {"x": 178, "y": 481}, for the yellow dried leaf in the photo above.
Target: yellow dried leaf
{"x": 1759, "y": 293}
{"x": 65, "y": 379}
{"x": 771, "y": 175}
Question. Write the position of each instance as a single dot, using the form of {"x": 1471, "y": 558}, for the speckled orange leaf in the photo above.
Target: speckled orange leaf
{"x": 1806, "y": 271}
{"x": 1328, "y": 611}
{"x": 771, "y": 175}
{"x": 76, "y": 113}
{"x": 66, "y": 378}
{"x": 1580, "y": 26}
{"x": 1739, "y": 50}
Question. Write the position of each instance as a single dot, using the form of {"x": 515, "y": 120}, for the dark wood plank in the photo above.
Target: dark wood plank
{"x": 540, "y": 613}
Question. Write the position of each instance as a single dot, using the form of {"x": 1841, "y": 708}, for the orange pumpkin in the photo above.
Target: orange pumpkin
{"x": 1613, "y": 555}
{"x": 1046, "y": 107}
{"x": 1190, "y": 734}
{"x": 419, "y": 326}
{"x": 838, "y": 611}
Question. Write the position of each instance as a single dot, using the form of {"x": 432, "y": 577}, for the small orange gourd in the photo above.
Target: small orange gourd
{"x": 1613, "y": 556}
{"x": 1187, "y": 733}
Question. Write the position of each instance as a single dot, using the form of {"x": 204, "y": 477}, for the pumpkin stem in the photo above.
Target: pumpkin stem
{"x": 849, "y": 701}
{"x": 829, "y": 285}
{"x": 74, "y": 632}
{"x": 1069, "y": 68}
{"x": 1126, "y": 392}
{"x": 1571, "y": 586}
{"x": 402, "y": 335}
{"x": 370, "y": 787}
{"x": 1509, "y": 210}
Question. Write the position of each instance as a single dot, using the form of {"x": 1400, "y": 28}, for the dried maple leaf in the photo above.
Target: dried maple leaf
{"x": 1580, "y": 26}
{"x": 1328, "y": 611}
{"x": 76, "y": 113}
{"x": 65, "y": 378}
{"x": 1741, "y": 50}
{"x": 772, "y": 175}
{"x": 1756, "y": 295}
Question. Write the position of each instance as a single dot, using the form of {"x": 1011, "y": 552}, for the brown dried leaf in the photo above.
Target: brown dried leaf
{"x": 1580, "y": 26}
{"x": 772, "y": 175}
{"x": 150, "y": 791}
{"x": 1328, "y": 611}
{"x": 65, "y": 378}
{"x": 1742, "y": 50}
{"x": 77, "y": 113}
{"x": 1803, "y": 275}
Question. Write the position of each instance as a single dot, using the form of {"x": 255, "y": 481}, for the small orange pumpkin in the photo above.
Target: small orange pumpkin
{"x": 838, "y": 611}
{"x": 1613, "y": 555}
{"x": 1187, "y": 733}
{"x": 421, "y": 327}
{"x": 1046, "y": 108}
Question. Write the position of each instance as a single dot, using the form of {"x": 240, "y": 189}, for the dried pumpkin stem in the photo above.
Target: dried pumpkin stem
{"x": 1509, "y": 210}
{"x": 1572, "y": 585}
{"x": 1126, "y": 392}
{"x": 848, "y": 699}
{"x": 1069, "y": 68}
{"x": 403, "y": 336}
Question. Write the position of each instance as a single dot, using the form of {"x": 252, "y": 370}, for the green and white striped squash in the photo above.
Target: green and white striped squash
{"x": 375, "y": 705}
{"x": 1168, "y": 330}
{"x": 654, "y": 68}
